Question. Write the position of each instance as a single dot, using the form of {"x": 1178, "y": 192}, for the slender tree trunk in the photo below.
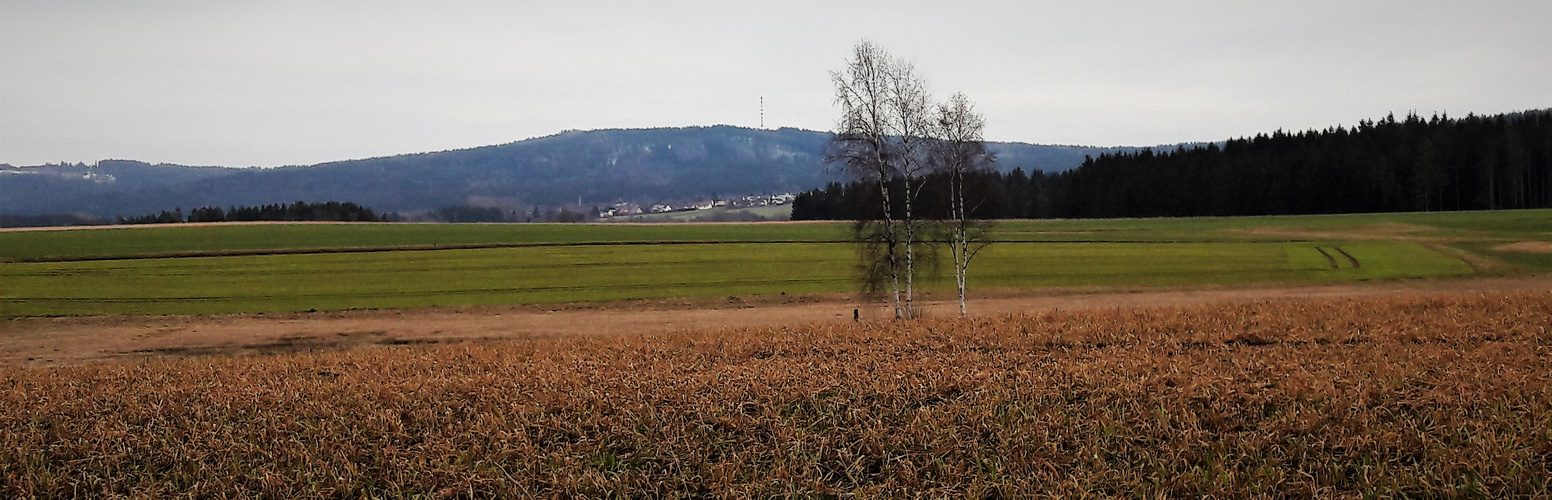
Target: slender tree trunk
{"x": 893, "y": 251}
{"x": 960, "y": 150}
{"x": 910, "y": 254}
{"x": 961, "y": 244}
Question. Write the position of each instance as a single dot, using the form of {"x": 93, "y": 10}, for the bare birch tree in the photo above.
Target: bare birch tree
{"x": 960, "y": 151}
{"x": 910, "y": 110}
{"x": 863, "y": 150}
{"x": 892, "y": 136}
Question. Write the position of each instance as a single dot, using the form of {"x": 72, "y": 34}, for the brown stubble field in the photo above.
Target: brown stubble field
{"x": 1420, "y": 395}
{"x": 68, "y": 341}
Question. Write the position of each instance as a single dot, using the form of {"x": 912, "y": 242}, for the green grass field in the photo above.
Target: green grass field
{"x": 194, "y": 239}
{"x": 200, "y": 269}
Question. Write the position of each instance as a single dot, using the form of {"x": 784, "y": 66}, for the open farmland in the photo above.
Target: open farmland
{"x": 572, "y": 273}
{"x": 1203, "y": 367}
{"x": 300, "y": 267}
{"x": 1437, "y": 396}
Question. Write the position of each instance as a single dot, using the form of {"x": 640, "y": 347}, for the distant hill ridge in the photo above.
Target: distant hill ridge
{"x": 597, "y": 167}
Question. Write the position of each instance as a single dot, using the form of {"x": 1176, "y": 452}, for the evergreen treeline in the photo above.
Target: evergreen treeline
{"x": 299, "y": 211}
{"x": 51, "y": 220}
{"x": 1416, "y": 164}
{"x": 860, "y": 201}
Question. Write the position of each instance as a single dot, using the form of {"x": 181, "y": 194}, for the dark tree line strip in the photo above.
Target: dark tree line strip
{"x": 1410, "y": 165}
{"x": 332, "y": 211}
{"x": 856, "y": 201}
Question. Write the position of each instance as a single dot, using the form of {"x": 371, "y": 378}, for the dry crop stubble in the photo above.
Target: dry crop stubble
{"x": 1423, "y": 396}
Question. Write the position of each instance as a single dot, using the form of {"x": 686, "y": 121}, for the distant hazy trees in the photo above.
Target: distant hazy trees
{"x": 51, "y": 220}
{"x": 298, "y": 211}
{"x": 890, "y": 138}
{"x": 165, "y": 217}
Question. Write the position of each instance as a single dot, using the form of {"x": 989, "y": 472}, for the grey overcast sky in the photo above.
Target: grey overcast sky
{"x": 272, "y": 83}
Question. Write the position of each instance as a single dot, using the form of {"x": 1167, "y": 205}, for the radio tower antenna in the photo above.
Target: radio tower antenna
{"x": 762, "y": 112}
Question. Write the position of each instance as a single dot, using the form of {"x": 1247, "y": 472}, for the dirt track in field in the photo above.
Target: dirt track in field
{"x": 1526, "y": 246}
{"x": 43, "y": 342}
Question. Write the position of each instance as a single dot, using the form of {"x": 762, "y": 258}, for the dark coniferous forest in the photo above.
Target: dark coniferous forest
{"x": 1389, "y": 165}
{"x": 332, "y": 211}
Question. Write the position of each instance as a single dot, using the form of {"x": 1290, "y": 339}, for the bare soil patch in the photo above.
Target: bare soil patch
{"x": 1481, "y": 265}
{"x": 41, "y": 342}
{"x": 1526, "y": 246}
{"x": 1397, "y": 231}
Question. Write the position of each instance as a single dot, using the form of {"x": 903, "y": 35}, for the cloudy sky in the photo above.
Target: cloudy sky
{"x": 272, "y": 83}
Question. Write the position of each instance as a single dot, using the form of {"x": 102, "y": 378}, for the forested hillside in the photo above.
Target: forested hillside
{"x": 1389, "y": 165}
{"x": 595, "y": 167}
